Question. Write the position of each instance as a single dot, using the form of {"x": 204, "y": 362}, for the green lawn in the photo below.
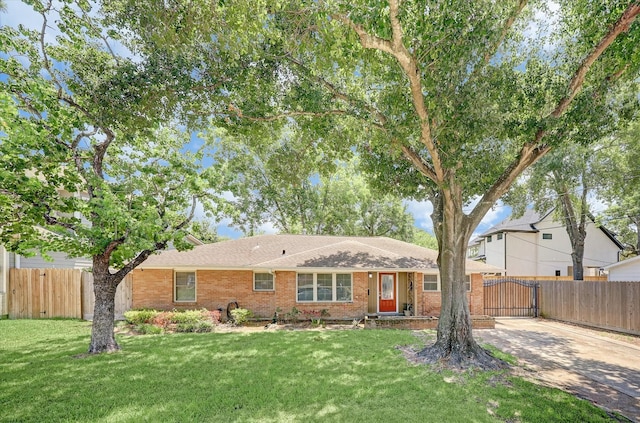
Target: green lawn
{"x": 274, "y": 376}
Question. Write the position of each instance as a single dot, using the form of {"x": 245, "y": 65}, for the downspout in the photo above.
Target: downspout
{"x": 505, "y": 253}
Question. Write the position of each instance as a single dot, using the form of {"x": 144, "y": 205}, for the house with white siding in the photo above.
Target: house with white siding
{"x": 624, "y": 271}
{"x": 538, "y": 245}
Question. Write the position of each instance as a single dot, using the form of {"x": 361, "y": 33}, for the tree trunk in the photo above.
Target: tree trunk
{"x": 455, "y": 344}
{"x": 104, "y": 288}
{"x": 578, "y": 260}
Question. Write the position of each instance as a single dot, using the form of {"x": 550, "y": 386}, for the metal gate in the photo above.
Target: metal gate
{"x": 511, "y": 297}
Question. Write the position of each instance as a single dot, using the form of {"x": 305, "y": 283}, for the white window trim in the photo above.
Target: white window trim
{"x": 273, "y": 282}
{"x": 195, "y": 290}
{"x": 467, "y": 278}
{"x": 334, "y": 288}
{"x": 439, "y": 287}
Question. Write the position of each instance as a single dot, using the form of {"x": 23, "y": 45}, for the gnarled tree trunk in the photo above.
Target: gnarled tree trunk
{"x": 455, "y": 344}
{"x": 104, "y": 288}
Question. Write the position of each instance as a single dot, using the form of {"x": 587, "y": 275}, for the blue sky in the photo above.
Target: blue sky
{"x": 20, "y": 13}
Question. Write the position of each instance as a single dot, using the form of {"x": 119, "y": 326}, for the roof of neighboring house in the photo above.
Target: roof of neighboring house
{"x": 628, "y": 262}
{"x": 528, "y": 221}
{"x": 280, "y": 252}
{"x": 525, "y": 223}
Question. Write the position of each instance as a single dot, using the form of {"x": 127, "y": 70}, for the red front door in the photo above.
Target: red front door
{"x": 387, "y": 293}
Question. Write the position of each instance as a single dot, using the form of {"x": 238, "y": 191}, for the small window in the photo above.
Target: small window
{"x": 467, "y": 282}
{"x": 263, "y": 282}
{"x": 185, "y": 286}
{"x": 430, "y": 283}
{"x": 305, "y": 286}
{"x": 499, "y": 236}
{"x": 547, "y": 236}
{"x": 343, "y": 287}
{"x": 325, "y": 289}
{"x": 489, "y": 238}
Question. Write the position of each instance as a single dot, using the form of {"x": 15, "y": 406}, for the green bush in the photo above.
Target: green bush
{"x": 138, "y": 317}
{"x": 181, "y": 321}
{"x": 188, "y": 316}
{"x": 241, "y": 315}
{"x": 148, "y": 329}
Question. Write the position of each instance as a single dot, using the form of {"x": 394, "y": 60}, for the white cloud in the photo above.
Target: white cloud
{"x": 421, "y": 211}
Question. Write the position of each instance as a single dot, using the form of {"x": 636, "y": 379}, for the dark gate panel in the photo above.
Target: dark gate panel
{"x": 511, "y": 297}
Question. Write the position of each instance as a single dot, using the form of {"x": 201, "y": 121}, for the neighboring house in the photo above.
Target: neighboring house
{"x": 537, "y": 245}
{"x": 624, "y": 271}
{"x": 350, "y": 277}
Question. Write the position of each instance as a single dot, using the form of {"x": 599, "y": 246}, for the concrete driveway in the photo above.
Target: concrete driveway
{"x": 604, "y": 370}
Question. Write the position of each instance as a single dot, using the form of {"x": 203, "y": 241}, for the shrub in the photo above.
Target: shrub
{"x": 188, "y": 316}
{"x": 293, "y": 315}
{"x": 148, "y": 329}
{"x": 163, "y": 319}
{"x": 138, "y": 317}
{"x": 201, "y": 320}
{"x": 241, "y": 315}
{"x": 214, "y": 315}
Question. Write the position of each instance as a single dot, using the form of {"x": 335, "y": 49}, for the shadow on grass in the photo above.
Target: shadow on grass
{"x": 354, "y": 376}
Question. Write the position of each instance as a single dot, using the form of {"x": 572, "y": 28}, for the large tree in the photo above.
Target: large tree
{"x": 470, "y": 96}
{"x": 452, "y": 102}
{"x": 446, "y": 101}
{"x": 88, "y": 151}
{"x": 562, "y": 183}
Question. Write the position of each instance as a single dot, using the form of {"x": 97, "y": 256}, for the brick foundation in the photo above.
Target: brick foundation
{"x": 417, "y": 323}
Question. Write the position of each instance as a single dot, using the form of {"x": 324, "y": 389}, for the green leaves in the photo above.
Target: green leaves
{"x": 84, "y": 151}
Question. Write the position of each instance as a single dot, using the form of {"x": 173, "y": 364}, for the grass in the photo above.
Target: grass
{"x": 271, "y": 376}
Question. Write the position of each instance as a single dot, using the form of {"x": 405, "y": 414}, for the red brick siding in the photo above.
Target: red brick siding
{"x": 153, "y": 288}
{"x": 431, "y": 301}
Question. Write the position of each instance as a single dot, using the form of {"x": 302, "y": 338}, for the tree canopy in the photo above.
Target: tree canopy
{"x": 447, "y": 103}
{"x": 89, "y": 151}
{"x": 293, "y": 185}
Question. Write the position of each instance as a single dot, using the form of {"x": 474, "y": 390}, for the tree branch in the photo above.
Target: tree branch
{"x": 621, "y": 25}
{"x": 338, "y": 94}
{"x": 505, "y": 29}
{"x": 409, "y": 65}
{"x": 288, "y": 114}
{"x": 534, "y": 150}
{"x": 417, "y": 161}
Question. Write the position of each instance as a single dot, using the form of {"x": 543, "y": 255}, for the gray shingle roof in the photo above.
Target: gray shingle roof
{"x": 525, "y": 223}
{"x": 282, "y": 252}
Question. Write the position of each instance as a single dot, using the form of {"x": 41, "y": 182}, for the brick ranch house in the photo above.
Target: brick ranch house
{"x": 350, "y": 277}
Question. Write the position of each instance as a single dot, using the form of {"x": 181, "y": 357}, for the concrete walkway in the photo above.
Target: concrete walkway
{"x": 603, "y": 370}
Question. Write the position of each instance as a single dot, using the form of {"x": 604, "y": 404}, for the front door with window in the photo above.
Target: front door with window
{"x": 387, "y": 302}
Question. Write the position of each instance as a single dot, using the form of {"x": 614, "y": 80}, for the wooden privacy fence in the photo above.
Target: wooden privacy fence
{"x": 48, "y": 293}
{"x": 609, "y": 305}
{"x": 41, "y": 293}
